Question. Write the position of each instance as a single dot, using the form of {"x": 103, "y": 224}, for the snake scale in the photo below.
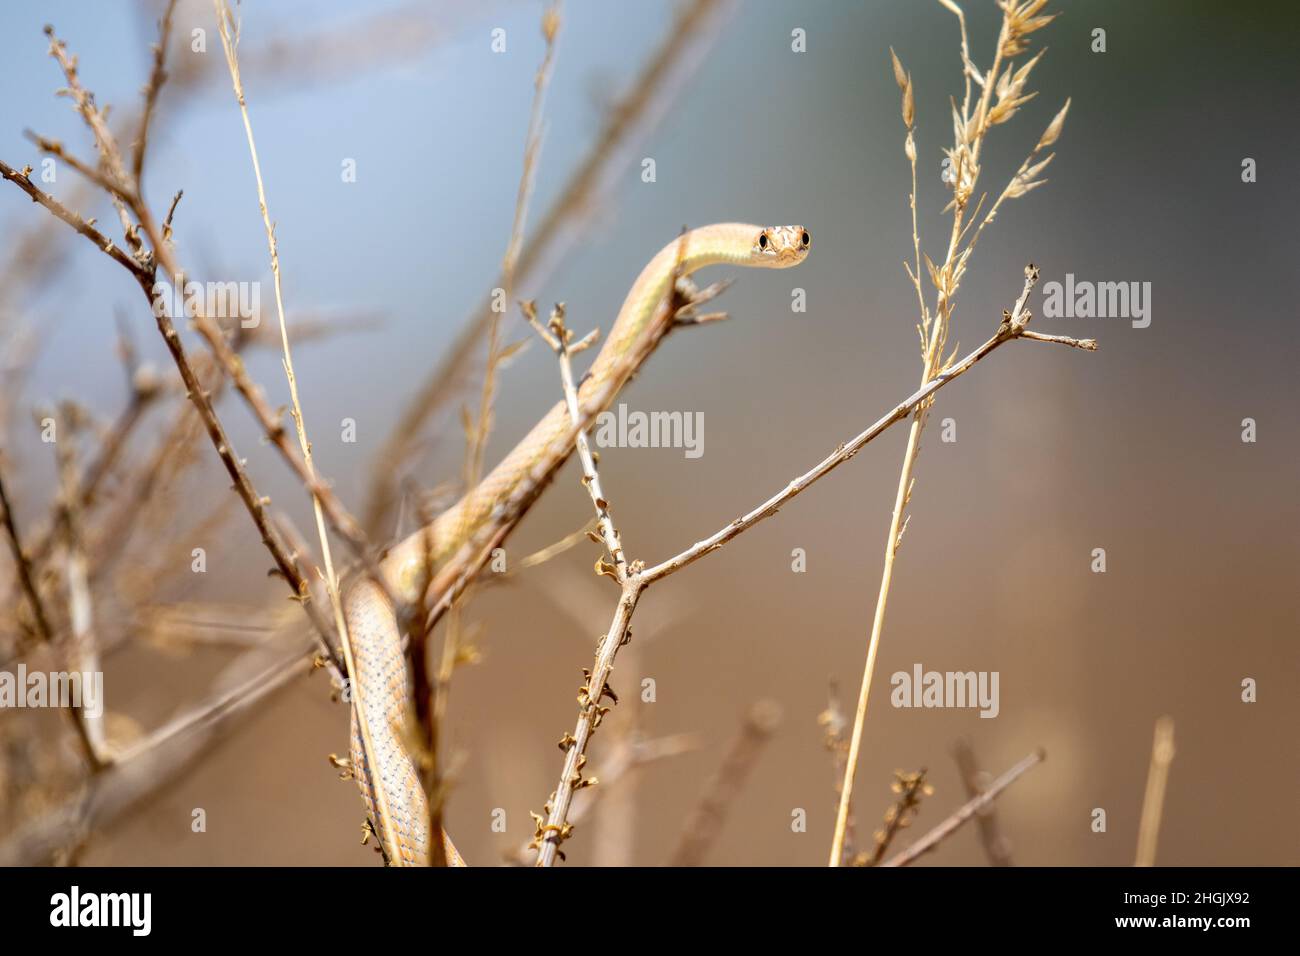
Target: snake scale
{"x": 382, "y": 682}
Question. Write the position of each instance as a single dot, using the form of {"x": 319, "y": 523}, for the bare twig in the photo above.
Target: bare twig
{"x": 560, "y": 339}
{"x": 157, "y": 76}
{"x": 965, "y": 812}
{"x": 83, "y": 226}
{"x": 1011, "y": 328}
{"x": 911, "y": 788}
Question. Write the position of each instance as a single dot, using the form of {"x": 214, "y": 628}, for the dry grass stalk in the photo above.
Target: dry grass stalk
{"x": 228, "y": 29}
{"x": 1153, "y": 801}
{"x": 1001, "y": 94}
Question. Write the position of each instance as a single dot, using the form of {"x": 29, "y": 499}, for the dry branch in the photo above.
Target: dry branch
{"x": 556, "y": 826}
{"x": 966, "y": 811}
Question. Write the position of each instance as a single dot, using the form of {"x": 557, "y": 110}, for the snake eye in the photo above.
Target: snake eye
{"x": 805, "y": 240}
{"x": 762, "y": 240}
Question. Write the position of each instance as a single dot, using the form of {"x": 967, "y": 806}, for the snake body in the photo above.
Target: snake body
{"x": 381, "y": 680}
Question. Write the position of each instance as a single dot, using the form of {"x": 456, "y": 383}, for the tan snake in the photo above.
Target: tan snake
{"x": 381, "y": 681}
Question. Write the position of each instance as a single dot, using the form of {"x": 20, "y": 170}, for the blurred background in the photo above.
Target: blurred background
{"x": 1136, "y": 448}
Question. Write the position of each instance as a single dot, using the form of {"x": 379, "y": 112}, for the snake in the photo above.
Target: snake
{"x": 382, "y": 764}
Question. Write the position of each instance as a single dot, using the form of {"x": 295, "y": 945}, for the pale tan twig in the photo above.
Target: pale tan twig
{"x": 560, "y": 338}
{"x": 1012, "y": 328}
{"x": 705, "y": 822}
{"x": 556, "y": 827}
{"x": 552, "y": 550}
{"x": 1153, "y": 801}
{"x": 965, "y": 812}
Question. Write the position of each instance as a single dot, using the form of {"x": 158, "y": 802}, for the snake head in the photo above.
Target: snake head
{"x": 779, "y": 247}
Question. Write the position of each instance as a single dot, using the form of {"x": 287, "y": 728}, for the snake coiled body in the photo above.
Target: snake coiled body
{"x": 381, "y": 679}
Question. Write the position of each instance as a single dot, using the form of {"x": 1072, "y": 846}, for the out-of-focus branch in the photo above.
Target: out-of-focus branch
{"x": 145, "y": 767}
{"x": 1153, "y": 801}
{"x": 705, "y": 823}
{"x": 996, "y": 845}
{"x": 967, "y": 810}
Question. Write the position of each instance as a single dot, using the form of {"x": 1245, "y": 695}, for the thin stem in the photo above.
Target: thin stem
{"x": 965, "y": 812}
{"x": 229, "y": 32}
